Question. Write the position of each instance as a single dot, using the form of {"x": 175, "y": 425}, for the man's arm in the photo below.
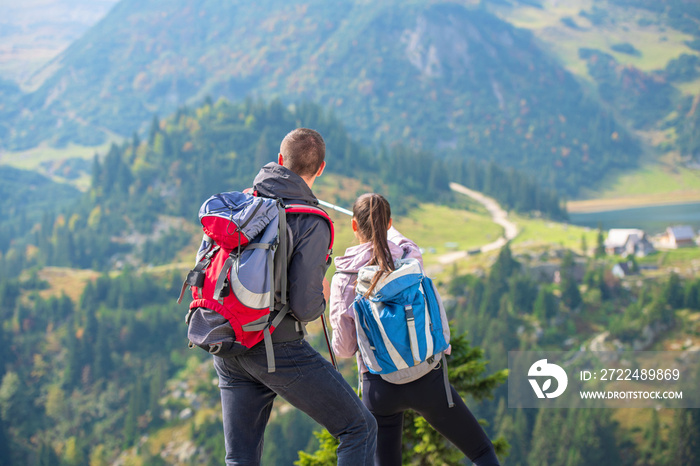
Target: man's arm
{"x": 307, "y": 268}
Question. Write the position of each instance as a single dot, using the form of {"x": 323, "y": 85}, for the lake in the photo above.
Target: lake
{"x": 653, "y": 219}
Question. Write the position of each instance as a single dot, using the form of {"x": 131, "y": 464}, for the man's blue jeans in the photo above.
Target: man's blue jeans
{"x": 308, "y": 382}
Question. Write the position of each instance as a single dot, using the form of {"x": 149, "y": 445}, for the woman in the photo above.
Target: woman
{"x": 381, "y": 244}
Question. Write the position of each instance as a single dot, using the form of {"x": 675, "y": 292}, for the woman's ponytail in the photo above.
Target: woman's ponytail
{"x": 373, "y": 214}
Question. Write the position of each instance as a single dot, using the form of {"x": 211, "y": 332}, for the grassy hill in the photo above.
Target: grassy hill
{"x": 602, "y": 25}
{"x": 652, "y": 184}
{"x": 651, "y": 38}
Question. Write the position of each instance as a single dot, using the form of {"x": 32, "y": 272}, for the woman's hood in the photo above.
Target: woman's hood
{"x": 358, "y": 256}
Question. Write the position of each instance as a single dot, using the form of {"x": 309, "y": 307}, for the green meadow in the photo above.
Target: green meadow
{"x": 38, "y": 157}
{"x": 437, "y": 229}
{"x": 621, "y": 25}
{"x": 30, "y": 159}
{"x": 445, "y": 229}
{"x": 685, "y": 261}
{"x": 653, "y": 183}
{"x": 537, "y": 232}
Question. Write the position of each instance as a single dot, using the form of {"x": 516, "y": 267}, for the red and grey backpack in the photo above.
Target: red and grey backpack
{"x": 233, "y": 281}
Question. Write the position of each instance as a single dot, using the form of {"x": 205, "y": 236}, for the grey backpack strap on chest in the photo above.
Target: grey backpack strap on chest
{"x": 446, "y": 380}
{"x": 282, "y": 250}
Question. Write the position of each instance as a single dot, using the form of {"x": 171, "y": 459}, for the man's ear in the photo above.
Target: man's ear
{"x": 280, "y": 159}
{"x": 320, "y": 169}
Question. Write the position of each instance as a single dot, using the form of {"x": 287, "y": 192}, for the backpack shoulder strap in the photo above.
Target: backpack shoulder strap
{"x": 313, "y": 210}
{"x": 308, "y": 209}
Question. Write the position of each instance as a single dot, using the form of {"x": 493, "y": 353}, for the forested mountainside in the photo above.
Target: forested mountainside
{"x": 101, "y": 373}
{"x": 25, "y": 197}
{"x": 220, "y": 147}
{"x": 443, "y": 76}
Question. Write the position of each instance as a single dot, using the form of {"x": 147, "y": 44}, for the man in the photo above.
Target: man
{"x": 302, "y": 376}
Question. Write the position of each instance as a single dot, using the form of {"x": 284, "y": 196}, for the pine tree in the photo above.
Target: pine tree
{"x": 600, "y": 245}
{"x": 91, "y": 325}
{"x": 548, "y": 426}
{"x": 154, "y": 130}
{"x": 505, "y": 265}
{"x": 74, "y": 362}
{"x": 47, "y": 455}
{"x": 325, "y": 455}
{"x": 605, "y": 291}
{"x": 135, "y": 141}
{"x": 691, "y": 298}
{"x": 653, "y": 448}
{"x": 673, "y": 291}
{"x": 438, "y": 180}
{"x": 5, "y": 445}
{"x": 134, "y": 410}
{"x": 102, "y": 362}
{"x": 570, "y": 294}
{"x": 64, "y": 307}
{"x": 4, "y": 351}
{"x": 96, "y": 175}
{"x": 594, "y": 437}
{"x": 263, "y": 154}
{"x": 684, "y": 438}
{"x": 523, "y": 292}
{"x": 546, "y": 305}
{"x": 155, "y": 390}
{"x": 476, "y": 296}
{"x": 73, "y": 454}
{"x": 521, "y": 438}
{"x": 497, "y": 283}
{"x": 88, "y": 300}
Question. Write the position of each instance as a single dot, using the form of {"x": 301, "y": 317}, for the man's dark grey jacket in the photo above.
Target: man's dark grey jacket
{"x": 310, "y": 236}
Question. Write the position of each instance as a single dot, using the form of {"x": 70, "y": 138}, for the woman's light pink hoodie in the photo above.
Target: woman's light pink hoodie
{"x": 342, "y": 314}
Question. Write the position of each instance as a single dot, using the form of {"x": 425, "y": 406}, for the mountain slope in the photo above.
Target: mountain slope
{"x": 444, "y": 77}
{"x": 35, "y": 31}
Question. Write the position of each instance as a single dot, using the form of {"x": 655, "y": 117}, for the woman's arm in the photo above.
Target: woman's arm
{"x": 342, "y": 315}
{"x": 410, "y": 249}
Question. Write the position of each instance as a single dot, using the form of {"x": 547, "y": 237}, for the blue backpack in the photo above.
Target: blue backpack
{"x": 402, "y": 328}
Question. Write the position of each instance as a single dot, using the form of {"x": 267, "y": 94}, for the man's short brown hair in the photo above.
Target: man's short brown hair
{"x": 304, "y": 151}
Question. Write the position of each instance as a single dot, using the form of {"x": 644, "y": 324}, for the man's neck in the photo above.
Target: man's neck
{"x": 309, "y": 181}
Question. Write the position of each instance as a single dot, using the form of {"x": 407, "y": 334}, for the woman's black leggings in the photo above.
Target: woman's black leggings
{"x": 388, "y": 401}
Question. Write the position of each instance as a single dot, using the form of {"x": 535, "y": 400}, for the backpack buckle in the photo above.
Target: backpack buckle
{"x": 214, "y": 348}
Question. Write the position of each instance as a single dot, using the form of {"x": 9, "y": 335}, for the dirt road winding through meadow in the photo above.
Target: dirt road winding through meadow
{"x": 499, "y": 216}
